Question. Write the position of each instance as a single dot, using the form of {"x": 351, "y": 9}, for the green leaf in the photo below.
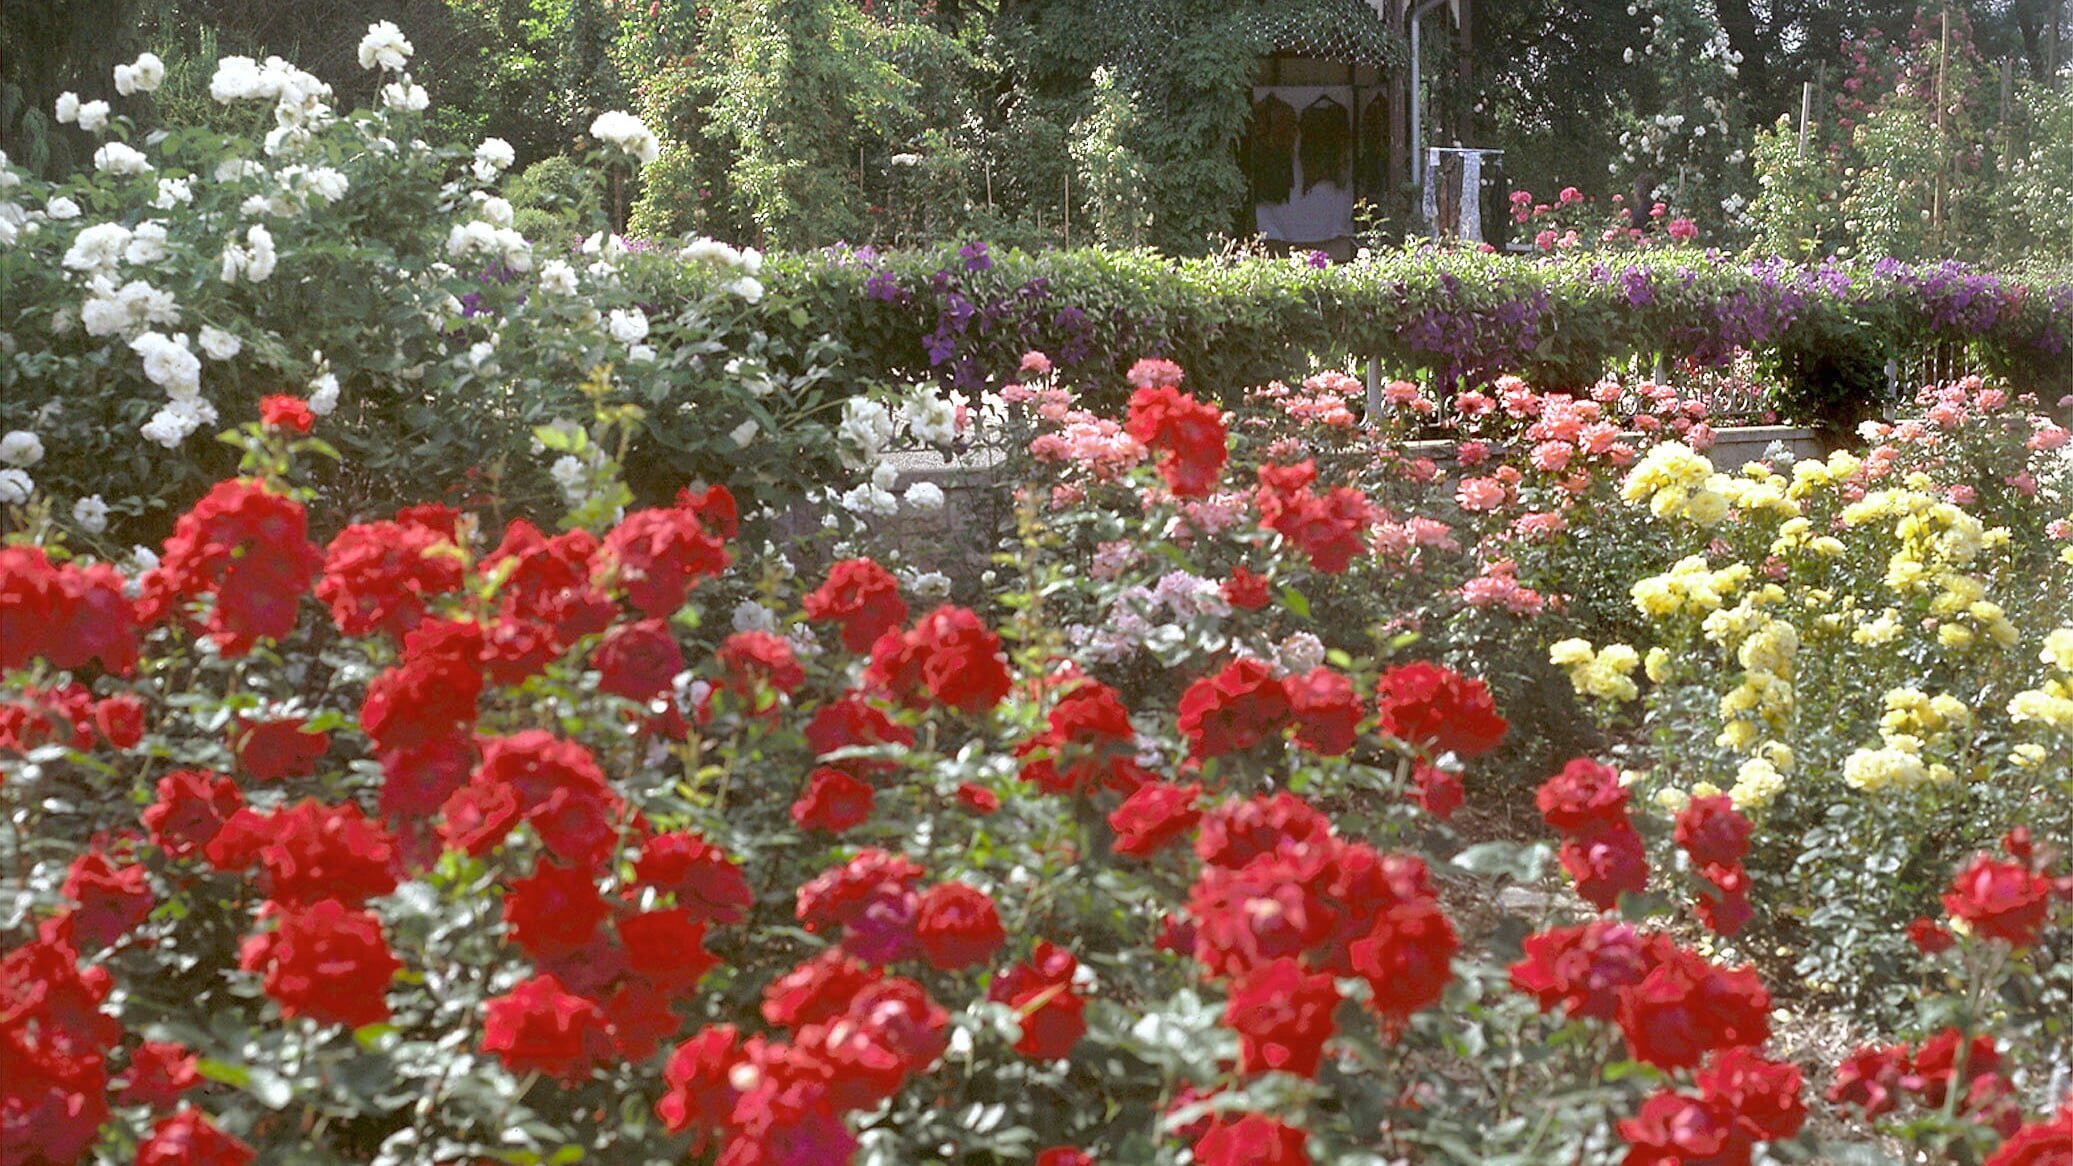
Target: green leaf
{"x": 1506, "y": 859}
{"x": 1293, "y": 600}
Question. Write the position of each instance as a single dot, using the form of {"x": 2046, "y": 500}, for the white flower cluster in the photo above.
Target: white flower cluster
{"x": 629, "y": 133}
{"x": 301, "y": 101}
{"x": 384, "y": 48}
{"x": 170, "y": 363}
{"x": 493, "y": 157}
{"x": 482, "y": 237}
{"x": 143, "y": 75}
{"x": 19, "y": 450}
{"x": 91, "y": 116}
{"x": 253, "y": 260}
{"x": 747, "y": 262}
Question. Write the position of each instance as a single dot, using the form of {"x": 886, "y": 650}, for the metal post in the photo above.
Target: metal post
{"x": 1417, "y": 124}
{"x": 1806, "y": 110}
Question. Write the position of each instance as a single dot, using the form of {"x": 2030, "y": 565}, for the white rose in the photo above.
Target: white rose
{"x": 629, "y": 133}
{"x": 147, "y": 73}
{"x": 220, "y": 345}
{"x": 147, "y": 244}
{"x": 930, "y": 418}
{"x": 122, "y": 159}
{"x": 15, "y": 487}
{"x": 628, "y": 325}
{"x": 492, "y": 158}
{"x": 93, "y": 116}
{"x": 750, "y": 616}
{"x": 496, "y": 210}
{"x": 925, "y": 496}
{"x": 61, "y": 208}
{"x": 67, "y": 107}
{"x": 323, "y": 396}
{"x": 405, "y": 97}
{"x": 744, "y": 433}
{"x": 21, "y": 448}
{"x": 90, "y": 514}
{"x": 558, "y": 277}
{"x": 384, "y": 47}
{"x": 327, "y": 183}
{"x": 97, "y": 248}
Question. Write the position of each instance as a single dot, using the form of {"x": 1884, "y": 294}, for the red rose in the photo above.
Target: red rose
{"x": 1188, "y": 435}
{"x": 66, "y": 614}
{"x": 120, "y": 718}
{"x": 1041, "y": 992}
{"x": 1236, "y": 709}
{"x": 246, "y": 546}
{"x": 1088, "y": 742}
{"x": 555, "y": 911}
{"x": 53, "y": 1093}
{"x": 274, "y": 750}
{"x": 1331, "y": 529}
{"x": 2000, "y": 900}
{"x": 639, "y": 1018}
{"x": 871, "y": 898}
{"x": 1283, "y": 1017}
{"x": 1763, "y": 1095}
{"x": 850, "y": 721}
{"x": 818, "y": 990}
{"x": 863, "y": 597}
{"x": 699, "y": 1075}
{"x": 1252, "y": 1140}
{"x": 416, "y": 782}
{"x": 476, "y": 818}
{"x": 1438, "y": 709}
{"x": 1154, "y": 815}
{"x": 1585, "y": 968}
{"x": 1723, "y": 905}
{"x": 1584, "y": 797}
{"x": 160, "y": 1072}
{"x": 667, "y": 948}
{"x": 1438, "y": 791}
{"x": 658, "y": 555}
{"x": 950, "y": 653}
{"x": 1606, "y": 863}
{"x": 1406, "y": 958}
{"x": 1064, "y": 1156}
{"x": 1245, "y": 590}
{"x": 1686, "y": 1007}
{"x": 1937, "y": 1064}
{"x": 281, "y": 411}
{"x": 637, "y": 661}
{"x": 1929, "y": 938}
{"x": 431, "y": 695}
{"x": 1327, "y": 711}
{"x": 112, "y": 900}
{"x": 191, "y": 809}
{"x": 958, "y": 926}
{"x": 1673, "y": 1129}
{"x": 977, "y": 798}
{"x": 325, "y": 961}
{"x": 537, "y": 1026}
{"x": 1238, "y": 831}
{"x": 699, "y": 874}
{"x": 1713, "y": 832}
{"x": 833, "y": 801}
{"x": 315, "y": 851}
{"x": 752, "y": 662}
{"x": 888, "y": 1033}
{"x": 188, "y": 1138}
{"x": 1871, "y": 1079}
{"x": 2046, "y": 1143}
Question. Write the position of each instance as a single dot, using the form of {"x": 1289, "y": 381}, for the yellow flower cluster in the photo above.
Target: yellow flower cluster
{"x": 1678, "y": 482}
{"x": 1765, "y": 646}
{"x": 1810, "y": 477}
{"x": 2050, "y": 704}
{"x": 1898, "y": 765}
{"x": 1605, "y": 674}
{"x": 1914, "y": 713}
{"x": 1689, "y": 586}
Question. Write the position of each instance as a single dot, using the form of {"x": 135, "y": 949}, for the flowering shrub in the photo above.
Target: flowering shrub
{"x": 338, "y": 256}
{"x": 435, "y": 845}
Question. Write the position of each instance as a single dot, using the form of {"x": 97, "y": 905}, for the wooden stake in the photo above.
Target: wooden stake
{"x": 1806, "y": 110}
{"x": 1068, "y": 208}
{"x": 1943, "y": 60}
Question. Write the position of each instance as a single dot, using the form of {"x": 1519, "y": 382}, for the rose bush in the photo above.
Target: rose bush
{"x": 486, "y": 848}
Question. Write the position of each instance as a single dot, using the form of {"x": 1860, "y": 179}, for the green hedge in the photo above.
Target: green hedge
{"x": 1558, "y": 322}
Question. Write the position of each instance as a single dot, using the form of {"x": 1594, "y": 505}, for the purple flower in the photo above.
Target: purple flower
{"x": 975, "y": 257}
{"x": 1319, "y": 259}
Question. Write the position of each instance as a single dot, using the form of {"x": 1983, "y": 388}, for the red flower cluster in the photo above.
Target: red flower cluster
{"x": 1438, "y": 710}
{"x": 1277, "y": 884}
{"x": 872, "y": 900}
{"x": 1155, "y": 815}
{"x": 112, "y": 900}
{"x": 1331, "y": 528}
{"x": 247, "y": 548}
{"x": 66, "y": 614}
{"x": 861, "y": 596}
{"x": 757, "y": 665}
{"x": 1088, "y": 744}
{"x": 189, "y": 1138}
{"x": 833, "y": 801}
{"x": 1742, "y": 1099}
{"x": 1245, "y": 590}
{"x": 325, "y": 961}
{"x": 538, "y": 1027}
{"x": 1188, "y": 435}
{"x": 69, "y": 715}
{"x": 1716, "y": 837}
{"x": 1875, "y": 1079}
{"x": 1252, "y": 1140}
{"x": 2044, "y": 1143}
{"x": 54, "y": 1041}
{"x": 1584, "y": 969}
{"x": 1283, "y": 1017}
{"x": 378, "y": 575}
{"x": 1245, "y": 705}
{"x": 553, "y": 785}
{"x": 948, "y": 652}
{"x": 658, "y": 555}
{"x": 637, "y": 661}
{"x": 2007, "y": 901}
{"x": 1041, "y": 991}
{"x": 1601, "y": 850}
{"x": 277, "y": 750}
